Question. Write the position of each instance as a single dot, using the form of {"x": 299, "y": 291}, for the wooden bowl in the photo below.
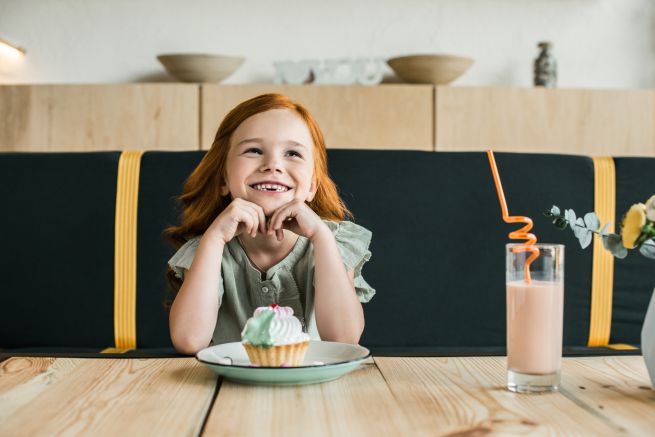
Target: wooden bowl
{"x": 434, "y": 69}
{"x": 190, "y": 67}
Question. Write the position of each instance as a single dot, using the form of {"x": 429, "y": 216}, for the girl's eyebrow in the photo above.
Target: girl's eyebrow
{"x": 250, "y": 140}
{"x": 261, "y": 141}
{"x": 296, "y": 144}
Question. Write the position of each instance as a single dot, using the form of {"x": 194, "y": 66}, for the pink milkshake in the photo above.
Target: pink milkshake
{"x": 534, "y": 326}
{"x": 535, "y": 312}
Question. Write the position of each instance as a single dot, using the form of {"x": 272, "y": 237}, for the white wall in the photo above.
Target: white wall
{"x": 597, "y": 43}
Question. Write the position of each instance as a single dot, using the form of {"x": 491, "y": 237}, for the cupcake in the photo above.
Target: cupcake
{"x": 273, "y": 337}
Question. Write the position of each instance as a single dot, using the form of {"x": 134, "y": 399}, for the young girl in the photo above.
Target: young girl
{"x": 262, "y": 224}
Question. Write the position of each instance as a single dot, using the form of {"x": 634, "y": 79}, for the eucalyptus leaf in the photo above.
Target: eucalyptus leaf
{"x": 555, "y": 211}
{"x": 620, "y": 252}
{"x": 614, "y": 244}
{"x": 560, "y": 223}
{"x": 606, "y": 240}
{"x": 648, "y": 249}
{"x": 569, "y": 215}
{"x": 585, "y": 238}
{"x": 591, "y": 220}
{"x": 579, "y": 227}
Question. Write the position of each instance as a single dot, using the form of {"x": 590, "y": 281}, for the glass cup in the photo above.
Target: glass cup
{"x": 535, "y": 313}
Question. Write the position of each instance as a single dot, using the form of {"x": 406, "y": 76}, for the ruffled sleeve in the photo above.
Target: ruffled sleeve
{"x": 181, "y": 261}
{"x": 353, "y": 241}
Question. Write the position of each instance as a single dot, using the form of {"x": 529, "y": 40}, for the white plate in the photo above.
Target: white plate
{"x": 324, "y": 361}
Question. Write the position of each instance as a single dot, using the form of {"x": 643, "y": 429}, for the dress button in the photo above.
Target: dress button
{"x": 265, "y": 289}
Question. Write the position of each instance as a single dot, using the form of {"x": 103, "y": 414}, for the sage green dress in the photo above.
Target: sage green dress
{"x": 288, "y": 283}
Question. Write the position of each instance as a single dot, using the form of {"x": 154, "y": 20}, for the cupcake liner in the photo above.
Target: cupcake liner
{"x": 291, "y": 355}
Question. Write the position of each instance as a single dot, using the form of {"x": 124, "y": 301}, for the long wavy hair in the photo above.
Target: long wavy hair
{"x": 201, "y": 197}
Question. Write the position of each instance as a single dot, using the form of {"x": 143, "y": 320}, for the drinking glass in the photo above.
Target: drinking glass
{"x": 535, "y": 312}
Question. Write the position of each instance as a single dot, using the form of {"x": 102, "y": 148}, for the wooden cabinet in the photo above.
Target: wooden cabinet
{"x": 99, "y": 117}
{"x": 176, "y": 116}
{"x": 584, "y": 122}
{"x": 352, "y": 117}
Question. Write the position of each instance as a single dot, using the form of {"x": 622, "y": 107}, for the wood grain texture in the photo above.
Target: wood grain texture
{"x": 615, "y": 388}
{"x": 109, "y": 397}
{"x": 467, "y": 396}
{"x": 353, "y": 117}
{"x": 570, "y": 121}
{"x": 384, "y": 397}
{"x": 23, "y": 379}
{"x": 357, "y": 404}
{"x": 99, "y": 117}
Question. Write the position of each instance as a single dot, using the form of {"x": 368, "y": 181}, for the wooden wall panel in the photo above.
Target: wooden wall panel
{"x": 99, "y": 117}
{"x": 586, "y": 122}
{"x": 357, "y": 117}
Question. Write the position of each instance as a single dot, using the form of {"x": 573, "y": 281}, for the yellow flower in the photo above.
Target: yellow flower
{"x": 634, "y": 220}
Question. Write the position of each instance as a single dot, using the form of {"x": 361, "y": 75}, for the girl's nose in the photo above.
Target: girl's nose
{"x": 273, "y": 164}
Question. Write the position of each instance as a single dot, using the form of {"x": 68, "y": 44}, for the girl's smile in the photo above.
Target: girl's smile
{"x": 270, "y": 187}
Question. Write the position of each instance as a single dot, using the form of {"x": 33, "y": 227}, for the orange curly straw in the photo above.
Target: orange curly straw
{"x": 520, "y": 234}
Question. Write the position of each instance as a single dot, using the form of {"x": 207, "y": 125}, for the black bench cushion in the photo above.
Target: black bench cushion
{"x": 57, "y": 255}
{"x": 438, "y": 245}
{"x": 161, "y": 179}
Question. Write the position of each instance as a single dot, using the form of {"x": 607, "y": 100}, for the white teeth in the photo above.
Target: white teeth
{"x": 270, "y": 187}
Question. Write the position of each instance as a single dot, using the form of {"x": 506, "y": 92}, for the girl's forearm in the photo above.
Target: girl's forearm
{"x": 339, "y": 314}
{"x": 195, "y": 308}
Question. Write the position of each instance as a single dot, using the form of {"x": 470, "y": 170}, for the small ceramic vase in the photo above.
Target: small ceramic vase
{"x": 545, "y": 67}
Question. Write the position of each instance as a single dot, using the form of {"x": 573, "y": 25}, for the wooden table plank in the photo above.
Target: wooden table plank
{"x": 98, "y": 397}
{"x": 23, "y": 379}
{"x": 358, "y": 404}
{"x": 467, "y": 396}
{"x": 616, "y": 388}
{"x": 399, "y": 396}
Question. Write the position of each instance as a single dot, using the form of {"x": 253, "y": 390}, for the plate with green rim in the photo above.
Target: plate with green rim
{"x": 324, "y": 361}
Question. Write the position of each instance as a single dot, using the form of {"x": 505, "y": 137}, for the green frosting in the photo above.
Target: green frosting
{"x": 257, "y": 330}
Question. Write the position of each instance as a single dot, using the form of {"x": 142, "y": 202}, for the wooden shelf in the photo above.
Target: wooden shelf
{"x": 176, "y": 116}
{"x": 99, "y": 117}
{"x": 351, "y": 117}
{"x": 570, "y": 121}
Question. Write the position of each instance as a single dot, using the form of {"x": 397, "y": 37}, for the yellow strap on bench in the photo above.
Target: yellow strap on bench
{"x": 602, "y": 280}
{"x": 113, "y": 350}
{"x": 127, "y": 193}
{"x": 622, "y": 347}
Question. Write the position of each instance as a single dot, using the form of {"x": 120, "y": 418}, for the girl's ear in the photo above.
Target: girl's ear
{"x": 312, "y": 190}
{"x": 224, "y": 189}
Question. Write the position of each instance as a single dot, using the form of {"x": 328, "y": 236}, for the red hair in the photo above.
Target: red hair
{"x": 201, "y": 196}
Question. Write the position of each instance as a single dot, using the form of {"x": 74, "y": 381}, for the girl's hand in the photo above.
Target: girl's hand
{"x": 297, "y": 217}
{"x": 238, "y": 218}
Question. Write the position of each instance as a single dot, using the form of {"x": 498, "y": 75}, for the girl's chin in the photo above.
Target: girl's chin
{"x": 270, "y": 206}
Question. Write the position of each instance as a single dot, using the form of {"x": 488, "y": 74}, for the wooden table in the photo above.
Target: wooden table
{"x": 384, "y": 396}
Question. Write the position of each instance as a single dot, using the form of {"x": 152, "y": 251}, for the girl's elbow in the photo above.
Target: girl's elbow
{"x": 347, "y": 337}
{"x": 189, "y": 345}
{"x": 344, "y": 338}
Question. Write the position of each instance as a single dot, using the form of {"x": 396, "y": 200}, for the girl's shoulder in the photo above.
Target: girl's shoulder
{"x": 183, "y": 258}
{"x": 345, "y": 230}
{"x": 188, "y": 248}
{"x": 353, "y": 241}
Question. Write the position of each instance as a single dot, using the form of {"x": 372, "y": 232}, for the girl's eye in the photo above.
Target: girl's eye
{"x": 294, "y": 153}
{"x": 254, "y": 150}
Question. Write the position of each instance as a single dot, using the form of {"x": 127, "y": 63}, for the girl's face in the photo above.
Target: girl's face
{"x": 271, "y": 160}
